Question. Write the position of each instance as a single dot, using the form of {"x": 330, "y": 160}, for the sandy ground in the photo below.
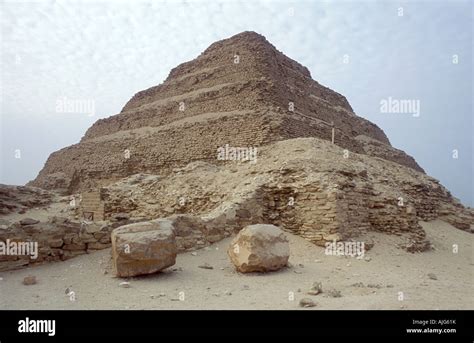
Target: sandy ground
{"x": 363, "y": 284}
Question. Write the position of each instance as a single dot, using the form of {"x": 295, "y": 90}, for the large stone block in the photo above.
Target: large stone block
{"x": 259, "y": 248}
{"x": 143, "y": 248}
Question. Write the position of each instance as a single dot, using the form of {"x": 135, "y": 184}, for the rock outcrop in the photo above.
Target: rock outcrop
{"x": 259, "y": 248}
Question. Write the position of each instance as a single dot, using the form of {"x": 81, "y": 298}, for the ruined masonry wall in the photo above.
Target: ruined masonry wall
{"x": 58, "y": 240}
{"x": 158, "y": 152}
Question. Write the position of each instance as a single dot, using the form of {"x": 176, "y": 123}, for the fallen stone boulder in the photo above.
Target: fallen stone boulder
{"x": 259, "y": 248}
{"x": 143, "y": 248}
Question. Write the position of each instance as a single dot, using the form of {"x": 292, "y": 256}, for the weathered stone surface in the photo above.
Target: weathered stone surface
{"x": 98, "y": 246}
{"x": 56, "y": 243}
{"x": 20, "y": 198}
{"x": 120, "y": 216}
{"x": 29, "y": 221}
{"x": 259, "y": 248}
{"x": 143, "y": 248}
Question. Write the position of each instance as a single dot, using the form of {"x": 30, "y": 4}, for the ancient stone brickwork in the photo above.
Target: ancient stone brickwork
{"x": 61, "y": 239}
{"x": 236, "y": 92}
{"x": 307, "y": 212}
{"x": 58, "y": 239}
{"x": 208, "y": 101}
{"x": 92, "y": 206}
{"x": 158, "y": 153}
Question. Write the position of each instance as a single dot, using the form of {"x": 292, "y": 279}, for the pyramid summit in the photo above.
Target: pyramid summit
{"x": 240, "y": 91}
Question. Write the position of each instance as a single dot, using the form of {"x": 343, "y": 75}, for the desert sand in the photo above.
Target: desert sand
{"x": 436, "y": 279}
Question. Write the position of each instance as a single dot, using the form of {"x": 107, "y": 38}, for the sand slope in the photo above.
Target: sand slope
{"x": 363, "y": 284}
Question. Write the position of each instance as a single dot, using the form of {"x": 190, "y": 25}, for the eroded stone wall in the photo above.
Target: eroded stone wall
{"x": 58, "y": 239}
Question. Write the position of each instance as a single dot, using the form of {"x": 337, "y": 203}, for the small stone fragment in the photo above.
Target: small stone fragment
{"x": 316, "y": 289}
{"x": 29, "y": 280}
{"x": 28, "y": 221}
{"x": 334, "y": 293}
{"x": 206, "y": 266}
{"x": 306, "y": 302}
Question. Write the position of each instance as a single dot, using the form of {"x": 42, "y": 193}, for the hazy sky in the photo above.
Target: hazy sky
{"x": 368, "y": 51}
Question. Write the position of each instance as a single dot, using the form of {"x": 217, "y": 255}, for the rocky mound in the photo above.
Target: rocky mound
{"x": 20, "y": 199}
{"x": 305, "y": 185}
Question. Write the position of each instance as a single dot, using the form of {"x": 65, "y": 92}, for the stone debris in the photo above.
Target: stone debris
{"x": 30, "y": 280}
{"x": 120, "y": 216}
{"x": 161, "y": 295}
{"x": 307, "y": 302}
{"x": 124, "y": 284}
{"x": 334, "y": 293}
{"x": 206, "y": 266}
{"x": 316, "y": 289}
{"x": 374, "y": 285}
{"x": 418, "y": 245}
{"x": 28, "y": 221}
{"x": 259, "y": 248}
{"x": 21, "y": 198}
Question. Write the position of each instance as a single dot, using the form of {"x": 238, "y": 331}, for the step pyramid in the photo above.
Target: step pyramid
{"x": 240, "y": 92}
